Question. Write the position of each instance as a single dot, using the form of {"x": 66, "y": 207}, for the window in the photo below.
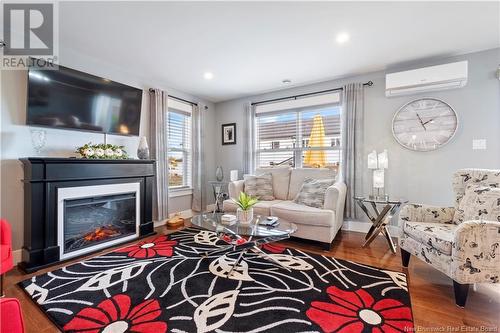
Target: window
{"x": 307, "y": 136}
{"x": 179, "y": 145}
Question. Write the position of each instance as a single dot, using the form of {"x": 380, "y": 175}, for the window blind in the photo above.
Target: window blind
{"x": 179, "y": 147}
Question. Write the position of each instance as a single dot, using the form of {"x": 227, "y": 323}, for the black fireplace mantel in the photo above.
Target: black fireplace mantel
{"x": 43, "y": 176}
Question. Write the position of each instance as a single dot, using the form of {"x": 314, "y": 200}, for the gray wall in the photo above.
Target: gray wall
{"x": 418, "y": 176}
{"x": 16, "y": 139}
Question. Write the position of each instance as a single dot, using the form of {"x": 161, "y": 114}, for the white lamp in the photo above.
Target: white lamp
{"x": 377, "y": 163}
{"x": 372, "y": 160}
{"x": 378, "y": 178}
{"x": 383, "y": 160}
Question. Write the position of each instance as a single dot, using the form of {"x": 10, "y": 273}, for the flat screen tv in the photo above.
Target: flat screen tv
{"x": 66, "y": 98}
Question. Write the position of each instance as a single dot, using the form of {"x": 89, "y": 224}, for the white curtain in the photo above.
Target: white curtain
{"x": 249, "y": 140}
{"x": 352, "y": 144}
{"x": 158, "y": 145}
{"x": 199, "y": 200}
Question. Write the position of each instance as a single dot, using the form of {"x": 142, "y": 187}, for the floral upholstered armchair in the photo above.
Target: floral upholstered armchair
{"x": 461, "y": 241}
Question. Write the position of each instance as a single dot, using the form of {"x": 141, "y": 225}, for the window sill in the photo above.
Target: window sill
{"x": 180, "y": 192}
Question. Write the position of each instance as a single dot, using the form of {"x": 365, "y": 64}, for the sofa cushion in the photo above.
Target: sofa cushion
{"x": 260, "y": 187}
{"x": 261, "y": 208}
{"x": 300, "y": 214}
{"x": 297, "y": 177}
{"x": 437, "y": 235}
{"x": 281, "y": 180}
{"x": 479, "y": 203}
{"x": 312, "y": 193}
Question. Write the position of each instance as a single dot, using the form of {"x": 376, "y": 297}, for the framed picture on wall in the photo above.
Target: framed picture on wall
{"x": 229, "y": 134}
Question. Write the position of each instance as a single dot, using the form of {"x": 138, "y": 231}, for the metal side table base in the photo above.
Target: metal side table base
{"x": 381, "y": 218}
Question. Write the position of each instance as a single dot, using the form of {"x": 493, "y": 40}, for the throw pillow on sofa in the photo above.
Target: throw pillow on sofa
{"x": 479, "y": 203}
{"x": 260, "y": 187}
{"x": 312, "y": 193}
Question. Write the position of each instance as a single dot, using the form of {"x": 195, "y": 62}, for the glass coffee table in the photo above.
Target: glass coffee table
{"x": 243, "y": 237}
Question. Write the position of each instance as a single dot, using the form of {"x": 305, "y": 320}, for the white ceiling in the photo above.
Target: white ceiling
{"x": 252, "y": 47}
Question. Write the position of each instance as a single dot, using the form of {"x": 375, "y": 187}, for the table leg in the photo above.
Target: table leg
{"x": 389, "y": 239}
{"x": 375, "y": 209}
{"x": 377, "y": 225}
{"x": 237, "y": 262}
{"x": 269, "y": 258}
{"x": 367, "y": 213}
{"x": 365, "y": 210}
{"x": 219, "y": 250}
{"x": 372, "y": 233}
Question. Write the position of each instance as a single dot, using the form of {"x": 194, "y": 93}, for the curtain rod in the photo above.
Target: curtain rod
{"x": 177, "y": 98}
{"x": 369, "y": 84}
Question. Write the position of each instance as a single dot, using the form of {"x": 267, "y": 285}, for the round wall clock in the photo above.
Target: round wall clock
{"x": 424, "y": 124}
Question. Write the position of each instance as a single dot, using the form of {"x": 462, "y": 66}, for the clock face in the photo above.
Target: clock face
{"x": 424, "y": 124}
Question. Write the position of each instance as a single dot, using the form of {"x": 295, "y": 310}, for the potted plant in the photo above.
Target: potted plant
{"x": 245, "y": 203}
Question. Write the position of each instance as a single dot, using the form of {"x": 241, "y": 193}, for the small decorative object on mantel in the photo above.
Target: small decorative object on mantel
{"x": 219, "y": 174}
{"x": 38, "y": 139}
{"x": 102, "y": 151}
{"x": 143, "y": 149}
{"x": 245, "y": 203}
{"x": 229, "y": 134}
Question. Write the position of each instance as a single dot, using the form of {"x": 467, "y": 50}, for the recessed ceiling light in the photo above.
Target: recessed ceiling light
{"x": 343, "y": 37}
{"x": 208, "y": 75}
{"x": 286, "y": 81}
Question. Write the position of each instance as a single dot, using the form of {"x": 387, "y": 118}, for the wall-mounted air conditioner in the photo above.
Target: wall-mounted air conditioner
{"x": 447, "y": 76}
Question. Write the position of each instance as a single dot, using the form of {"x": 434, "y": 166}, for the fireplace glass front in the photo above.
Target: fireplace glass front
{"x": 92, "y": 221}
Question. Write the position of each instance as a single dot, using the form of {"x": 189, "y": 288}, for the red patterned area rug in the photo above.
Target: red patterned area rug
{"x": 165, "y": 285}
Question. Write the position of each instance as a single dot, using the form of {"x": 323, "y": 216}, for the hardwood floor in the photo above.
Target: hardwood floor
{"x": 431, "y": 292}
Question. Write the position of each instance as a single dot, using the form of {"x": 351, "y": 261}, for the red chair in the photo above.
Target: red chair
{"x": 11, "y": 316}
{"x": 6, "y": 261}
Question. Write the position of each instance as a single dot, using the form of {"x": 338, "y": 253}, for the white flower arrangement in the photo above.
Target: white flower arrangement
{"x": 99, "y": 152}
{"x": 109, "y": 152}
{"x": 102, "y": 151}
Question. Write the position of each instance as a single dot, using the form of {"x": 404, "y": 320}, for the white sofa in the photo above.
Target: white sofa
{"x": 312, "y": 223}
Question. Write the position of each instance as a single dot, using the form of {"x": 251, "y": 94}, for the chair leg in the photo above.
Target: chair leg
{"x": 405, "y": 257}
{"x": 461, "y": 291}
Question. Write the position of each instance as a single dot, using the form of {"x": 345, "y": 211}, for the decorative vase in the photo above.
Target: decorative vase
{"x": 244, "y": 217}
{"x": 219, "y": 174}
{"x": 143, "y": 149}
{"x": 38, "y": 139}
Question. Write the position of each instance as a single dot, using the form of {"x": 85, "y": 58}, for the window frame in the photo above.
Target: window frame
{"x": 298, "y": 149}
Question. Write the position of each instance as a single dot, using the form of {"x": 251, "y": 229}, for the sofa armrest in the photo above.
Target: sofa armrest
{"x": 476, "y": 252}
{"x": 335, "y": 200}
{"x": 426, "y": 213}
{"x": 235, "y": 188}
